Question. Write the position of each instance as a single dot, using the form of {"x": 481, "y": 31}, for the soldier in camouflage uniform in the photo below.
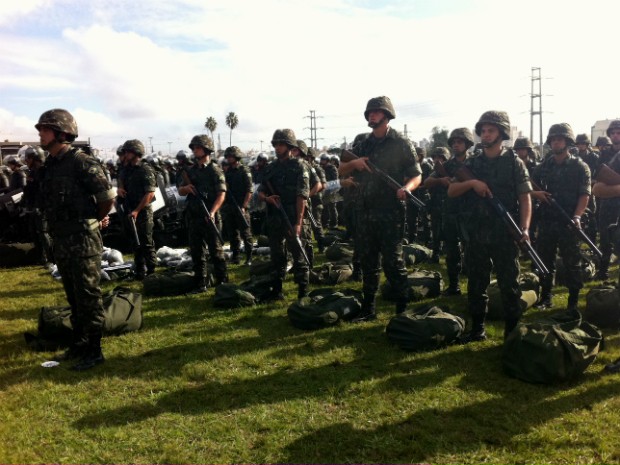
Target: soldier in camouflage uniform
{"x": 498, "y": 172}
{"x": 380, "y": 212}
{"x": 258, "y": 210}
{"x": 418, "y": 218}
{"x": 316, "y": 198}
{"x": 435, "y": 205}
{"x": 205, "y": 181}
{"x": 605, "y": 147}
{"x": 460, "y": 140}
{"x": 330, "y": 210}
{"x": 77, "y": 196}
{"x": 235, "y": 209}
{"x": 138, "y": 191}
{"x": 566, "y": 178}
{"x": 525, "y": 151}
{"x": 609, "y": 206}
{"x": 286, "y": 182}
{"x": 18, "y": 176}
{"x": 590, "y": 158}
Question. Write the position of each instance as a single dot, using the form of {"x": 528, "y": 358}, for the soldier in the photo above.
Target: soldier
{"x": 438, "y": 193}
{"x": 235, "y": 209}
{"x": 330, "y": 210}
{"x": 34, "y": 201}
{"x": 18, "y": 176}
{"x": 609, "y": 205}
{"x": 417, "y": 218}
{"x": 76, "y": 197}
{"x": 590, "y": 158}
{"x": 498, "y": 172}
{"x": 258, "y": 208}
{"x": 525, "y": 151}
{"x": 286, "y": 184}
{"x": 5, "y": 175}
{"x": 605, "y": 149}
{"x": 183, "y": 163}
{"x": 380, "y": 212}
{"x": 205, "y": 185}
{"x": 316, "y": 198}
{"x": 566, "y": 178}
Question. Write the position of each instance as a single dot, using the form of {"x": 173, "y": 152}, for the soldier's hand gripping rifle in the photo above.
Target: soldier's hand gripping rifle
{"x": 464, "y": 174}
{"x": 240, "y": 211}
{"x": 347, "y": 156}
{"x": 289, "y": 227}
{"x": 128, "y": 220}
{"x": 569, "y": 222}
{"x": 198, "y": 196}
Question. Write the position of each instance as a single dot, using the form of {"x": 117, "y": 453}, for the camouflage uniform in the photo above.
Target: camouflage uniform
{"x": 34, "y": 201}
{"x": 138, "y": 181}
{"x": 239, "y": 185}
{"x": 209, "y": 180}
{"x": 316, "y": 201}
{"x": 435, "y": 207}
{"x": 418, "y": 218}
{"x": 608, "y": 215}
{"x": 4, "y": 177}
{"x": 330, "y": 211}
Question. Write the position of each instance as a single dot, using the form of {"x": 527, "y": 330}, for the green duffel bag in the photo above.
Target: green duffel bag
{"x": 424, "y": 328}
{"x": 321, "y": 311}
{"x": 422, "y": 284}
{"x": 554, "y": 349}
{"x": 331, "y": 273}
{"x": 18, "y": 254}
{"x": 416, "y": 254}
{"x": 261, "y": 287}
{"x": 262, "y": 241}
{"x": 496, "y": 307}
{"x": 168, "y": 282}
{"x": 229, "y": 295}
{"x": 603, "y": 307}
{"x": 325, "y": 291}
{"x": 260, "y": 267}
{"x": 339, "y": 251}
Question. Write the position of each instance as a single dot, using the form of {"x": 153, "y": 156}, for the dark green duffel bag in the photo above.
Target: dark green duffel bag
{"x": 425, "y": 328}
{"x": 261, "y": 287}
{"x": 169, "y": 282}
{"x": 18, "y": 254}
{"x": 321, "y": 311}
{"x": 331, "y": 273}
{"x": 229, "y": 295}
{"x": 416, "y": 254}
{"x": 339, "y": 251}
{"x": 261, "y": 267}
{"x": 422, "y": 284}
{"x": 603, "y": 307}
{"x": 557, "y": 348}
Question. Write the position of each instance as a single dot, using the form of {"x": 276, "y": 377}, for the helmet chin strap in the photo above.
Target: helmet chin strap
{"x": 378, "y": 123}
{"x": 486, "y": 145}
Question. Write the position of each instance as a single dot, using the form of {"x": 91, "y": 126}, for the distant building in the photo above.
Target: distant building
{"x": 600, "y": 129}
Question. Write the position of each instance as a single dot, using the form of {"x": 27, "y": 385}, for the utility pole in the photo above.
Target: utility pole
{"x": 219, "y": 143}
{"x": 151, "y": 142}
{"x": 313, "y": 128}
{"x": 536, "y": 93}
{"x": 169, "y": 148}
{"x": 261, "y": 145}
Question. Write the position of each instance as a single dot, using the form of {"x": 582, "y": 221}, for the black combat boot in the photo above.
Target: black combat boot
{"x": 546, "y": 299}
{"x": 368, "y": 312}
{"x": 92, "y": 357}
{"x": 509, "y": 325}
{"x": 476, "y": 333}
{"x": 401, "y": 306}
{"x": 573, "y": 299}
{"x": 275, "y": 293}
{"x": 357, "y": 273}
{"x": 302, "y": 291}
{"x": 248, "y": 254}
{"x": 235, "y": 258}
{"x": 201, "y": 286}
{"x": 603, "y": 273}
{"x": 453, "y": 288}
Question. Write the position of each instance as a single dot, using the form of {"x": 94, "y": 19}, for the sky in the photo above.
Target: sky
{"x": 154, "y": 70}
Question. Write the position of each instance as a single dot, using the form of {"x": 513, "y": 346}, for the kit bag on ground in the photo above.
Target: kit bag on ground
{"x": 261, "y": 287}
{"x": 603, "y": 307}
{"x": 331, "y": 273}
{"x": 339, "y": 251}
{"x": 122, "y": 310}
{"x": 324, "y": 309}
{"x": 229, "y": 295}
{"x": 416, "y": 254}
{"x": 529, "y": 285}
{"x": 168, "y": 282}
{"x": 422, "y": 284}
{"x": 261, "y": 267}
{"x": 18, "y": 254}
{"x": 425, "y": 328}
{"x": 557, "y": 348}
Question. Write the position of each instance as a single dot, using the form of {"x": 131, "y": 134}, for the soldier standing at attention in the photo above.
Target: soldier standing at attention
{"x": 330, "y": 210}
{"x": 77, "y": 196}
{"x": 204, "y": 182}
{"x": 499, "y": 173}
{"x": 286, "y": 183}
{"x": 566, "y": 178}
{"x": 235, "y": 209}
{"x": 380, "y": 212}
{"x": 139, "y": 186}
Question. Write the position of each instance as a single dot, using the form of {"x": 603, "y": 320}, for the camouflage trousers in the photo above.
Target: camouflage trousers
{"x": 37, "y": 226}
{"x": 379, "y": 235}
{"x": 237, "y": 230}
{"x": 203, "y": 238}
{"x": 607, "y": 215}
{"x": 330, "y": 215}
{"x": 436, "y": 229}
{"x": 452, "y": 244}
{"x": 317, "y": 212}
{"x": 279, "y": 242}
{"x": 144, "y": 254}
{"x": 78, "y": 257}
{"x": 482, "y": 258}
{"x": 554, "y": 236}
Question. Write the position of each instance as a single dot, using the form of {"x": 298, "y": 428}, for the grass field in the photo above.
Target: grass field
{"x": 202, "y": 385}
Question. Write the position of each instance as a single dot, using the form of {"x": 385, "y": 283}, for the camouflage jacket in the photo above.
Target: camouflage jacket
{"x": 209, "y": 180}
{"x": 239, "y": 184}
{"x": 289, "y": 179}
{"x": 139, "y": 180}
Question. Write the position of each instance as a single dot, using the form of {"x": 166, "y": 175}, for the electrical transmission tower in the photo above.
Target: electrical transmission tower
{"x": 313, "y": 128}
{"x": 536, "y": 93}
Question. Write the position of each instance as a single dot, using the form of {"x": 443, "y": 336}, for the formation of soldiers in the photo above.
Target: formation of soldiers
{"x": 296, "y": 197}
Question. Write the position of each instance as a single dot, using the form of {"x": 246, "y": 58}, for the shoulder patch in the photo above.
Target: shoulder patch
{"x": 93, "y": 170}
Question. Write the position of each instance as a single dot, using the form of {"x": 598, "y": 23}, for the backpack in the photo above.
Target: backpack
{"x": 228, "y": 295}
{"x": 416, "y": 254}
{"x": 557, "y": 348}
{"x": 331, "y": 273}
{"x": 168, "y": 283}
{"x": 425, "y": 328}
{"x": 323, "y": 309}
{"x": 603, "y": 307}
{"x": 122, "y": 310}
{"x": 422, "y": 284}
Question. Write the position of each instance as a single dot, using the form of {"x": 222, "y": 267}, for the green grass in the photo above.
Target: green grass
{"x": 203, "y": 385}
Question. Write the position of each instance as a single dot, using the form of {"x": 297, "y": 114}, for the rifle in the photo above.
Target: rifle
{"x": 607, "y": 175}
{"x": 311, "y": 217}
{"x": 289, "y": 226}
{"x": 208, "y": 218}
{"x": 464, "y": 174}
{"x": 347, "y": 156}
{"x": 570, "y": 223}
{"x": 240, "y": 212}
{"x": 129, "y": 221}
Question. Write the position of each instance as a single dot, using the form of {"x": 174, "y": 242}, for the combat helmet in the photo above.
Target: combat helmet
{"x": 440, "y": 152}
{"x": 286, "y": 136}
{"x": 59, "y": 120}
{"x": 261, "y": 156}
{"x": 615, "y": 124}
{"x": 204, "y": 141}
{"x": 34, "y": 152}
{"x": 420, "y": 152}
{"x": 312, "y": 153}
{"x": 181, "y": 155}
{"x": 134, "y": 146}
{"x": 562, "y": 130}
{"x": 380, "y": 103}
{"x": 499, "y": 119}
{"x": 603, "y": 141}
{"x": 461, "y": 133}
{"x": 523, "y": 143}
{"x": 303, "y": 148}
{"x": 233, "y": 151}
{"x": 582, "y": 139}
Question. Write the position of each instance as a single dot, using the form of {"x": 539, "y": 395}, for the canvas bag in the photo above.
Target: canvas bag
{"x": 422, "y": 284}
{"x": 168, "y": 283}
{"x": 229, "y": 295}
{"x": 323, "y": 309}
{"x": 603, "y": 307}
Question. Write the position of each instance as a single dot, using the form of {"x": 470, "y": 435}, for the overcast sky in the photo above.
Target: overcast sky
{"x": 159, "y": 68}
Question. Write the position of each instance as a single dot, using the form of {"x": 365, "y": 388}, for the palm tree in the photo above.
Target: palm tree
{"x": 211, "y": 125}
{"x": 231, "y": 121}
